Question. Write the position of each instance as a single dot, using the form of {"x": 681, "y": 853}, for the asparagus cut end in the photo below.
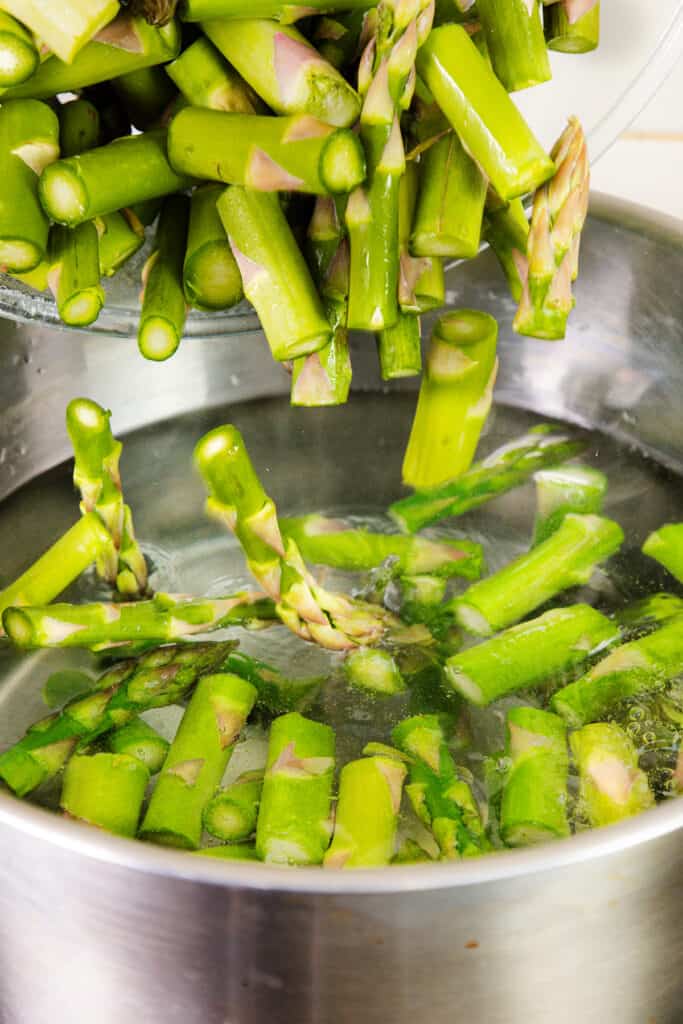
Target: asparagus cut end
{"x": 472, "y": 620}
{"x": 18, "y": 255}
{"x": 62, "y": 194}
{"x": 18, "y": 59}
{"x": 213, "y": 281}
{"x": 466, "y": 686}
{"x": 83, "y": 308}
{"x": 157, "y": 339}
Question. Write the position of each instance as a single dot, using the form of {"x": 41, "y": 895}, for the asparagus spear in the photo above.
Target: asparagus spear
{"x": 144, "y": 95}
{"x": 399, "y": 348}
{"x": 277, "y": 693}
{"x": 374, "y": 671}
{"x": 534, "y": 804}
{"x": 105, "y": 790}
{"x": 162, "y": 318}
{"x": 640, "y": 666}
{"x": 67, "y": 27}
{"x": 515, "y": 42}
{"x": 293, "y": 824}
{"x": 198, "y": 10}
{"x": 421, "y": 284}
{"x": 97, "y": 477}
{"x": 211, "y": 278}
{"x": 530, "y": 654}
{"x": 120, "y": 236}
{"x": 284, "y": 69}
{"x": 507, "y": 231}
{"x": 367, "y": 813}
{"x": 665, "y": 545}
{"x": 503, "y": 469}
{"x": 206, "y": 80}
{"x": 237, "y": 851}
{"x": 612, "y": 786}
{"x": 231, "y": 814}
{"x": 564, "y": 489}
{"x": 566, "y": 559}
{"x": 139, "y": 740}
{"x": 19, "y": 57}
{"x": 156, "y": 679}
{"x": 571, "y": 26}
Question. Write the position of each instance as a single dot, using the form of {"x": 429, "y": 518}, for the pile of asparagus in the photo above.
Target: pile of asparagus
{"x": 361, "y": 150}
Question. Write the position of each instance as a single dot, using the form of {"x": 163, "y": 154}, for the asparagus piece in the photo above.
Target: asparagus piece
{"x": 572, "y": 27}
{"x": 156, "y": 679}
{"x": 455, "y": 398}
{"x": 84, "y": 543}
{"x": 198, "y": 10}
{"x": 515, "y": 42}
{"x": 36, "y": 278}
{"x": 18, "y": 52}
{"x": 144, "y": 95}
{"x": 139, "y": 740}
{"x": 324, "y": 377}
{"x": 552, "y": 257}
{"x": 277, "y": 693}
{"x": 665, "y": 545}
{"x": 640, "y": 666}
{"x": 481, "y": 112}
{"x": 612, "y": 786}
{"x": 105, "y": 790}
{"x": 566, "y": 559}
{"x": 374, "y": 671}
{"x": 503, "y": 469}
{"x": 211, "y": 278}
{"x": 410, "y": 852}
{"x": 126, "y": 44}
{"x": 238, "y": 851}
{"x": 285, "y": 70}
{"x": 653, "y": 609}
{"x": 529, "y": 654}
{"x": 293, "y": 824}
{"x": 421, "y": 284}
{"x": 206, "y": 80}
{"x": 534, "y": 804}
{"x": 441, "y": 798}
{"x": 275, "y": 277}
{"x": 231, "y": 814}
{"x": 97, "y": 477}
{"x": 120, "y": 236}
{"x": 62, "y": 686}
{"x": 507, "y": 231}
{"x": 64, "y": 28}
{"x": 79, "y": 127}
{"x": 197, "y": 759}
{"x": 399, "y": 348}
{"x": 162, "y": 318}
{"x": 564, "y": 489}
{"x": 367, "y": 813}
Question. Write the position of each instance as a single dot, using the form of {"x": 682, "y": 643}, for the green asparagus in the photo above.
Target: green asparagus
{"x": 105, "y": 790}
{"x": 162, "y": 318}
{"x": 612, "y": 786}
{"x": 231, "y": 814}
{"x": 665, "y": 545}
{"x": 367, "y": 813}
{"x": 139, "y": 740}
{"x": 211, "y": 277}
{"x": 564, "y": 489}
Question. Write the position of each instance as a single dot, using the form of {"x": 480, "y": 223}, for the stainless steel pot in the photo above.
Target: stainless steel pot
{"x": 587, "y": 930}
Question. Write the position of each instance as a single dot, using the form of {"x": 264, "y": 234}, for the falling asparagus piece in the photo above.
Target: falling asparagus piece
{"x": 139, "y": 740}
{"x": 507, "y": 232}
{"x": 144, "y": 95}
{"x": 285, "y": 70}
{"x": 367, "y": 813}
{"x": 564, "y": 560}
{"x": 277, "y": 693}
{"x": 373, "y": 671}
{"x": 421, "y": 284}
{"x": 120, "y": 236}
{"x": 64, "y": 28}
{"x": 211, "y": 277}
{"x": 156, "y": 679}
{"x": 640, "y": 666}
{"x": 97, "y": 477}
{"x": 18, "y": 52}
{"x": 105, "y": 790}
{"x": 612, "y": 786}
{"x": 503, "y": 469}
{"x": 206, "y": 80}
{"x": 293, "y": 824}
{"x": 197, "y": 759}
{"x": 441, "y": 798}
{"x": 455, "y": 398}
{"x": 515, "y": 42}
{"x": 564, "y": 489}
{"x": 231, "y": 814}
{"x": 552, "y": 256}
{"x": 665, "y": 545}
{"x": 198, "y": 10}
{"x": 528, "y": 655}
{"x": 400, "y": 348}
{"x": 534, "y": 804}
{"x": 163, "y": 313}
{"x": 237, "y": 851}
{"x": 572, "y": 26}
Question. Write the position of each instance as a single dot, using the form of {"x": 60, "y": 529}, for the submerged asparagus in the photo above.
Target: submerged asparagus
{"x": 665, "y": 545}
{"x": 162, "y": 318}
{"x": 231, "y": 814}
{"x": 564, "y": 489}
{"x": 374, "y": 671}
{"x": 367, "y": 813}
{"x": 277, "y": 692}
{"x": 139, "y": 740}
{"x": 612, "y": 786}
{"x": 105, "y": 790}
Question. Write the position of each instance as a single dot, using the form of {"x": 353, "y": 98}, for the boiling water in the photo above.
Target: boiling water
{"x": 340, "y": 462}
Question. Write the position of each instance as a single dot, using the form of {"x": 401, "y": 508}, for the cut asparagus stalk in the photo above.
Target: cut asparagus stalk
{"x": 206, "y": 80}
{"x": 373, "y": 671}
{"x": 400, "y": 348}
{"x": 19, "y": 57}
{"x": 564, "y": 560}
{"x": 293, "y": 824}
{"x": 144, "y": 94}
{"x": 36, "y": 278}
{"x": 156, "y": 679}
{"x": 139, "y": 740}
{"x": 197, "y": 759}
{"x": 649, "y": 610}
{"x": 441, "y": 798}
{"x": 612, "y": 786}
{"x": 507, "y": 232}
{"x": 515, "y": 42}
{"x": 367, "y": 813}
{"x": 324, "y": 377}
{"x": 29, "y": 141}
{"x": 481, "y": 112}
{"x": 64, "y": 28}
{"x": 211, "y": 277}
{"x": 97, "y": 477}
{"x": 120, "y": 236}
{"x": 665, "y": 545}
{"x": 552, "y": 257}
{"x": 564, "y": 489}
{"x": 277, "y": 693}
{"x": 420, "y": 595}
{"x": 503, "y": 469}
{"x": 237, "y": 851}
{"x": 285, "y": 70}
{"x": 79, "y": 127}
{"x": 455, "y": 398}
{"x": 105, "y": 790}
{"x": 644, "y": 665}
{"x": 231, "y": 814}
{"x": 199, "y": 10}
{"x": 162, "y": 318}
{"x": 528, "y": 655}
{"x": 74, "y": 275}
{"x": 534, "y": 804}
{"x": 275, "y": 277}
{"x": 421, "y": 284}
{"x": 568, "y": 33}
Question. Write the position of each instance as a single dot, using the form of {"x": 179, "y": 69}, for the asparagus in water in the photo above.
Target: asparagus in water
{"x": 612, "y": 786}
{"x": 139, "y": 740}
{"x": 665, "y": 545}
{"x": 564, "y": 489}
{"x": 367, "y": 813}
{"x": 231, "y": 814}
{"x": 105, "y": 790}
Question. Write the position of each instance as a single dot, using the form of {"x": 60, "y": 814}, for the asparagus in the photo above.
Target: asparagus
{"x": 534, "y": 803}
{"x": 515, "y": 42}
{"x": 162, "y": 318}
{"x": 665, "y": 545}
{"x": 211, "y": 278}
{"x": 507, "y": 231}
{"x": 441, "y": 798}
{"x": 156, "y": 679}
{"x": 197, "y": 759}
{"x": 367, "y": 813}
{"x": 36, "y": 278}
{"x": 503, "y": 469}
{"x": 139, "y": 740}
{"x": 455, "y": 398}
{"x": 653, "y": 609}
{"x": 18, "y": 52}
{"x": 339, "y": 39}
{"x": 144, "y": 95}
{"x": 29, "y": 141}
{"x": 529, "y": 654}
{"x": 612, "y": 786}
{"x": 421, "y": 284}
{"x": 324, "y": 377}
{"x": 120, "y": 236}
{"x": 157, "y": 12}
{"x": 644, "y": 665}
{"x": 231, "y": 814}
{"x": 486, "y": 119}
{"x": 97, "y": 477}
{"x": 238, "y": 851}
{"x": 277, "y": 693}
{"x": 374, "y": 671}
{"x": 410, "y": 852}
{"x": 105, "y": 790}
{"x": 296, "y": 153}
{"x": 206, "y": 80}
{"x": 564, "y": 489}
{"x": 564, "y": 560}
{"x": 285, "y": 70}
{"x": 552, "y": 257}
{"x": 66, "y": 28}
{"x": 572, "y": 26}
{"x": 293, "y": 824}
{"x": 198, "y": 10}
{"x": 399, "y": 348}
